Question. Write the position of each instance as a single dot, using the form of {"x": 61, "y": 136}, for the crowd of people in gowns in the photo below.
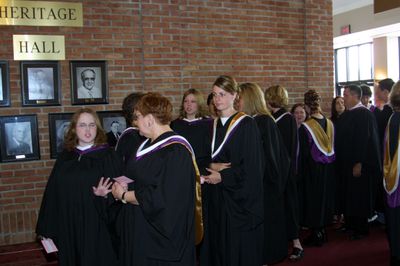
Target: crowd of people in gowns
{"x": 230, "y": 182}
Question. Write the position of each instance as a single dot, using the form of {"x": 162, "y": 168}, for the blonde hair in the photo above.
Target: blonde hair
{"x": 71, "y": 138}
{"x": 253, "y": 100}
{"x": 277, "y": 96}
{"x": 394, "y": 96}
{"x": 201, "y": 106}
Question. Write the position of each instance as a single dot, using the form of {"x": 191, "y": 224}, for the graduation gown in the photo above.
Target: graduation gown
{"x": 391, "y": 183}
{"x": 275, "y": 177}
{"x": 235, "y": 219}
{"x": 128, "y": 143}
{"x": 316, "y": 171}
{"x": 288, "y": 129}
{"x": 71, "y": 214}
{"x": 198, "y": 133}
{"x": 163, "y": 226}
{"x": 357, "y": 142}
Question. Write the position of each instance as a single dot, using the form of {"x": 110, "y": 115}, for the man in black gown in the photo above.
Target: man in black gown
{"x": 358, "y": 157}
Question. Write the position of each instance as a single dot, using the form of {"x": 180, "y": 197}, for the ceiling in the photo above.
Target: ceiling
{"x": 341, "y": 6}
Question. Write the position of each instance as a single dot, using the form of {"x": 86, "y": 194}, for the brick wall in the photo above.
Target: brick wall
{"x": 168, "y": 46}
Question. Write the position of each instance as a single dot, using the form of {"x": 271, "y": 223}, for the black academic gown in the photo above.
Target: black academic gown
{"x": 393, "y": 212}
{"x": 126, "y": 147}
{"x": 288, "y": 129}
{"x": 163, "y": 226}
{"x": 357, "y": 142}
{"x": 275, "y": 177}
{"x": 236, "y": 204}
{"x": 72, "y": 215}
{"x": 382, "y": 118}
{"x": 198, "y": 133}
{"x": 316, "y": 183}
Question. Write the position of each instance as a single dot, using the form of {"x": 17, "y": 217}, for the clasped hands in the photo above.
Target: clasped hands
{"x": 215, "y": 176}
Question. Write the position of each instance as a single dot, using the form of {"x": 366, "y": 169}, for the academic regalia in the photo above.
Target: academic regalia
{"x": 128, "y": 143}
{"x": 71, "y": 214}
{"x": 198, "y": 133}
{"x": 391, "y": 184}
{"x": 382, "y": 118}
{"x": 236, "y": 203}
{"x": 126, "y": 147}
{"x": 288, "y": 129}
{"x": 164, "y": 181}
{"x": 357, "y": 142}
{"x": 275, "y": 177}
{"x": 316, "y": 170}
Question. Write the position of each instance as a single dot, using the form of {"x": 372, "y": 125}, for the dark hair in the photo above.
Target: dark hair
{"x": 114, "y": 122}
{"x": 312, "y": 100}
{"x": 386, "y": 84}
{"x": 209, "y": 98}
{"x": 71, "y": 139}
{"x": 157, "y": 105}
{"x": 354, "y": 89}
{"x": 334, "y": 113}
{"x": 298, "y": 105}
{"x": 366, "y": 90}
{"x": 128, "y": 106}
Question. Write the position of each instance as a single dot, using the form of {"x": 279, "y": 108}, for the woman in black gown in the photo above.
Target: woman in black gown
{"x": 235, "y": 183}
{"x": 316, "y": 171}
{"x": 164, "y": 193}
{"x": 275, "y": 172}
{"x": 391, "y": 176}
{"x": 276, "y": 98}
{"x": 71, "y": 214}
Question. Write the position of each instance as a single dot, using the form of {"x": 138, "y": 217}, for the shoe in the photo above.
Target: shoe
{"x": 316, "y": 239}
{"x": 297, "y": 254}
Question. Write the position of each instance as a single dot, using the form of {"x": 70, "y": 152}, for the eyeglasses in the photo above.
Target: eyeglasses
{"x": 86, "y": 126}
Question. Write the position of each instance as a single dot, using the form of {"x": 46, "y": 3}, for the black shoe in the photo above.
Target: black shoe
{"x": 297, "y": 254}
{"x": 316, "y": 239}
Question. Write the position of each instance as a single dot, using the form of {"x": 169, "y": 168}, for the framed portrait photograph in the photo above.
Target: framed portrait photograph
{"x": 4, "y": 84}
{"x": 58, "y": 127}
{"x": 114, "y": 124}
{"x": 40, "y": 83}
{"x": 19, "y": 138}
{"x": 89, "y": 82}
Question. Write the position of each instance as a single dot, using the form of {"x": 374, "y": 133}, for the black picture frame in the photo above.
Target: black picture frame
{"x": 89, "y": 84}
{"x": 4, "y": 84}
{"x": 19, "y": 139}
{"x": 58, "y": 125}
{"x": 107, "y": 119}
{"x": 40, "y": 83}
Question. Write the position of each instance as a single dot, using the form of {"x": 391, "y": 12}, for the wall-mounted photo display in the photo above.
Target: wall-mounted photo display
{"x": 19, "y": 138}
{"x": 89, "y": 82}
{"x": 4, "y": 84}
{"x": 58, "y": 127}
{"x": 40, "y": 81}
{"x": 114, "y": 124}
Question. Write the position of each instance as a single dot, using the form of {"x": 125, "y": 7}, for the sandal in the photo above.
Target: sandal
{"x": 297, "y": 254}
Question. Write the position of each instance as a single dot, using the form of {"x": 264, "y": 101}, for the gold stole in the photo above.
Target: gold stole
{"x": 323, "y": 140}
{"x": 232, "y": 125}
{"x": 390, "y": 168}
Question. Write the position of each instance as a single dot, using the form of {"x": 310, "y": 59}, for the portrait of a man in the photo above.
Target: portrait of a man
{"x": 40, "y": 83}
{"x": 89, "y": 82}
{"x": 18, "y": 138}
{"x": 114, "y": 133}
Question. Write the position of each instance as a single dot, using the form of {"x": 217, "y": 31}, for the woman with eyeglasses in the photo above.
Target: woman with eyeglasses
{"x": 234, "y": 183}
{"x": 74, "y": 207}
